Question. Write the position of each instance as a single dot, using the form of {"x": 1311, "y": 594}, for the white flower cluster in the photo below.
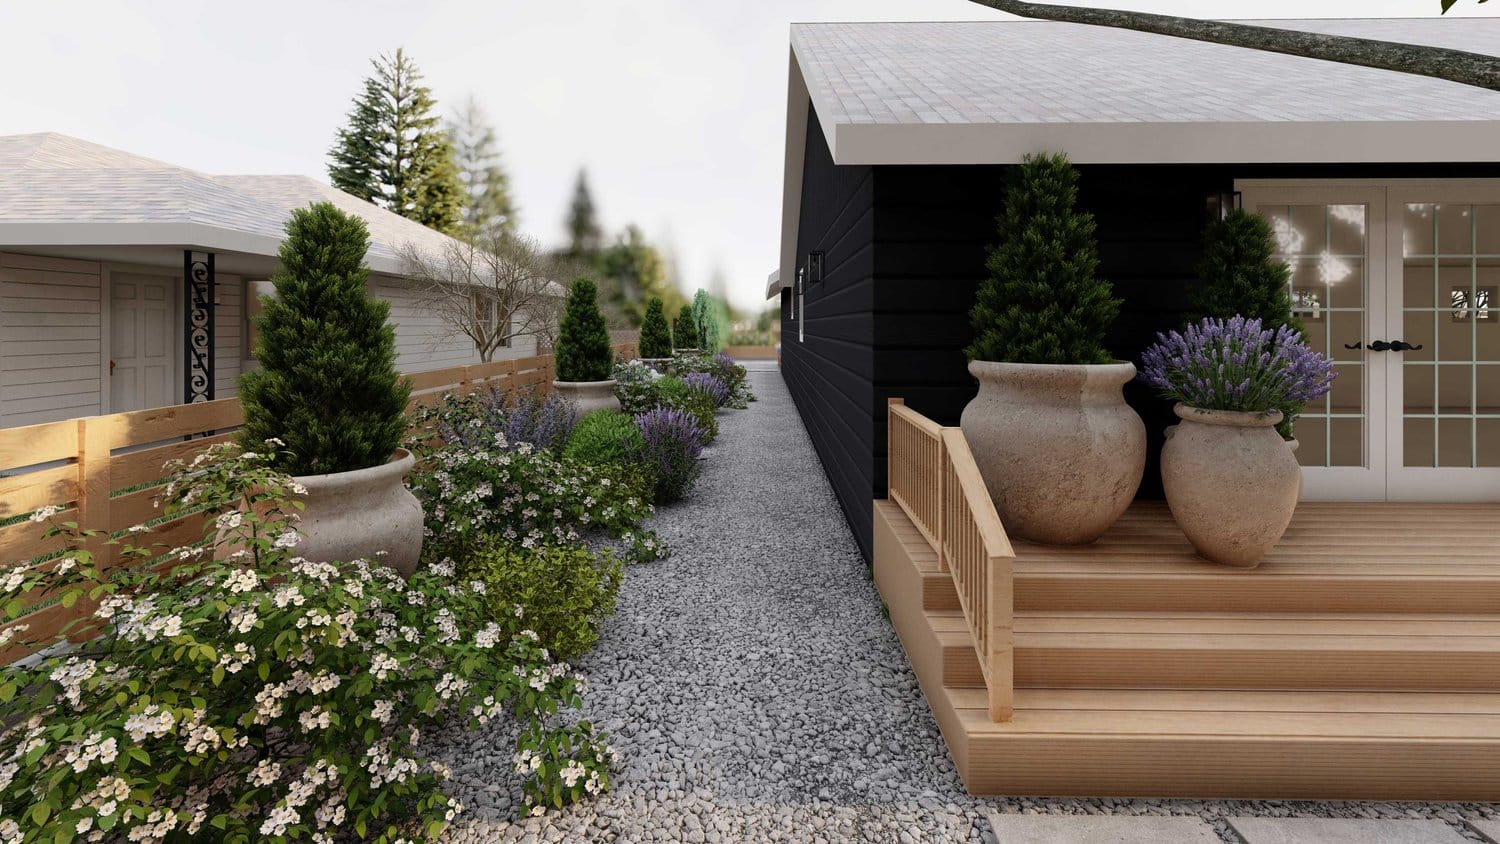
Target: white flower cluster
{"x": 488, "y": 637}
{"x": 14, "y": 578}
{"x": 42, "y": 514}
{"x": 234, "y": 661}
{"x": 229, "y": 521}
{"x": 265, "y": 772}
{"x": 157, "y": 826}
{"x": 10, "y": 633}
{"x": 71, "y": 675}
{"x": 450, "y": 686}
{"x": 150, "y": 722}
{"x": 105, "y": 797}
{"x": 241, "y": 580}
{"x": 382, "y": 664}
{"x": 382, "y": 710}
{"x": 321, "y": 572}
{"x": 268, "y": 703}
{"x": 384, "y": 766}
{"x": 242, "y": 619}
{"x": 446, "y": 624}
{"x": 94, "y": 747}
{"x": 316, "y": 718}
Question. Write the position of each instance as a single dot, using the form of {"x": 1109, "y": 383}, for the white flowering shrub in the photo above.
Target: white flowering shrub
{"x": 474, "y": 492}
{"x": 247, "y": 694}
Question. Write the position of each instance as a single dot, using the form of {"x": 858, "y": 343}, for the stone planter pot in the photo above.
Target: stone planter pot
{"x": 658, "y": 364}
{"x": 589, "y": 396}
{"x": 686, "y": 351}
{"x": 1232, "y": 482}
{"x": 354, "y": 515}
{"x": 1060, "y": 451}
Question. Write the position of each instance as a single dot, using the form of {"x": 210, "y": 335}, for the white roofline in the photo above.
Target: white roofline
{"x": 774, "y": 285}
{"x": 796, "y": 148}
{"x": 184, "y": 235}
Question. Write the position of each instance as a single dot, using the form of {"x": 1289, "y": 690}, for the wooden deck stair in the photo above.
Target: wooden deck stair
{"x": 1361, "y": 660}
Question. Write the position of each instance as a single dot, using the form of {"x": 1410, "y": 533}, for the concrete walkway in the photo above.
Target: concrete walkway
{"x": 756, "y": 692}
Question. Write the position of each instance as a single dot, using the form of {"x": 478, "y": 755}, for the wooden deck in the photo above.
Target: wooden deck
{"x": 1361, "y": 660}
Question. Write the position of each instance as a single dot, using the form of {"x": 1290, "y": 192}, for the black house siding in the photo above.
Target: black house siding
{"x": 905, "y": 249}
{"x": 831, "y": 373}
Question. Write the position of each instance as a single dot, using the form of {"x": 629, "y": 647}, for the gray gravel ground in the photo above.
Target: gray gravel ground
{"x": 756, "y": 693}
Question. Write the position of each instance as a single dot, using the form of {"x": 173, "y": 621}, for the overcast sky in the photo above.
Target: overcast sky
{"x": 676, "y": 107}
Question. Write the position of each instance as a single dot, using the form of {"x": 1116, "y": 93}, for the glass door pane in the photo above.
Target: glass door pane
{"x": 1327, "y": 248}
{"x": 1451, "y": 386}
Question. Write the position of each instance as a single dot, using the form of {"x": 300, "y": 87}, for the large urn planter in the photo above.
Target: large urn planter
{"x": 355, "y": 515}
{"x": 1059, "y": 449}
{"x": 1232, "y": 482}
{"x": 658, "y": 364}
{"x": 589, "y": 396}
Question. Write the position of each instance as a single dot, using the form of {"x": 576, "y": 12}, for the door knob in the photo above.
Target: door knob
{"x": 1380, "y": 346}
{"x": 111, "y": 367}
{"x": 1355, "y": 345}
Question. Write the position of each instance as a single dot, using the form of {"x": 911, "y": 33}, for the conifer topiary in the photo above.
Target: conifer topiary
{"x": 1241, "y": 276}
{"x": 583, "y": 349}
{"x": 656, "y": 338}
{"x": 685, "y": 330}
{"x": 327, "y": 385}
{"x": 1042, "y": 302}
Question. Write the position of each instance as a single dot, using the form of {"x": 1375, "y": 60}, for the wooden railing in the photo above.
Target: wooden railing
{"x": 933, "y": 478}
{"x": 103, "y": 470}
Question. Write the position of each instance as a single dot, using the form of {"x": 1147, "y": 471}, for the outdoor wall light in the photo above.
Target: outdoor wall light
{"x": 814, "y": 267}
{"x": 1219, "y": 204}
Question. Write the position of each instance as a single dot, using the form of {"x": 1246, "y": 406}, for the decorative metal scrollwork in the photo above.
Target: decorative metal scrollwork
{"x": 198, "y": 327}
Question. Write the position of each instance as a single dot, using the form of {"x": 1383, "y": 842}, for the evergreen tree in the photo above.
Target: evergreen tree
{"x": 684, "y": 331}
{"x": 585, "y": 237}
{"x": 656, "y": 339}
{"x": 327, "y": 385}
{"x": 393, "y": 151}
{"x": 706, "y": 321}
{"x": 583, "y": 349}
{"x": 1042, "y": 302}
{"x": 1240, "y": 276}
{"x": 633, "y": 271}
{"x": 489, "y": 208}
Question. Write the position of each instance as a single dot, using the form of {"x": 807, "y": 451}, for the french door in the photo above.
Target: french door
{"x": 1397, "y": 283}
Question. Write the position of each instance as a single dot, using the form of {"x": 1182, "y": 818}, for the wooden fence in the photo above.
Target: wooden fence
{"x": 933, "y": 478}
{"x": 103, "y": 470}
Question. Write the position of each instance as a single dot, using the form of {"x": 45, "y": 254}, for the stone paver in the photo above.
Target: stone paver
{"x": 1343, "y": 831}
{"x": 1098, "y": 829}
{"x": 1489, "y": 830}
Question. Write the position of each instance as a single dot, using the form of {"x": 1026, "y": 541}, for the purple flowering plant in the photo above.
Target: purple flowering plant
{"x": 1236, "y": 364}
{"x": 544, "y": 420}
{"x": 708, "y": 385}
{"x": 671, "y": 440}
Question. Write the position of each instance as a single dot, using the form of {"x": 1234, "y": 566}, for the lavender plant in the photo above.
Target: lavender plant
{"x": 672, "y": 441}
{"x": 1236, "y": 364}
{"x": 523, "y": 416}
{"x": 708, "y": 385}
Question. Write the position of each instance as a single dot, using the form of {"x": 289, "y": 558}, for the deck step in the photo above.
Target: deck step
{"x": 1238, "y": 651}
{"x": 1289, "y": 745}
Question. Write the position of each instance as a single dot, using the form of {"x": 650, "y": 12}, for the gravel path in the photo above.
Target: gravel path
{"x": 756, "y": 693}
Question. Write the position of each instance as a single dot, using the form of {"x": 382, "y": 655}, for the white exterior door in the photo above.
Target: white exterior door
{"x": 1394, "y": 281}
{"x": 142, "y": 354}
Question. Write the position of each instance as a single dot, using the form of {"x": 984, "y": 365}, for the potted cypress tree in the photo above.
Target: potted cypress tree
{"x": 1240, "y": 276}
{"x": 656, "y": 338}
{"x": 1060, "y": 451}
{"x": 583, "y": 353}
{"x": 328, "y": 389}
{"x": 685, "y": 332}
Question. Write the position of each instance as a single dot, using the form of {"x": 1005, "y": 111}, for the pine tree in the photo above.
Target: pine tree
{"x": 585, "y": 237}
{"x": 327, "y": 385}
{"x": 486, "y": 185}
{"x": 1042, "y": 302}
{"x": 684, "y": 331}
{"x": 393, "y": 151}
{"x": 706, "y": 321}
{"x": 1241, "y": 276}
{"x": 583, "y": 349}
{"x": 656, "y": 339}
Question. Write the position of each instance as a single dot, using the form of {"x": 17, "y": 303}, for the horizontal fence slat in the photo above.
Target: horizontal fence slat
{"x": 433, "y": 379}
{"x": 29, "y": 445}
{"x": 26, "y": 492}
{"x": 137, "y": 467}
{"x": 24, "y": 541}
{"x": 139, "y": 427}
{"x": 133, "y": 508}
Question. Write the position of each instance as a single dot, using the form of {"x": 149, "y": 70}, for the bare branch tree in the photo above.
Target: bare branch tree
{"x": 1476, "y": 69}
{"x": 493, "y": 289}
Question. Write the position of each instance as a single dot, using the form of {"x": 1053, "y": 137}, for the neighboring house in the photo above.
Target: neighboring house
{"x": 1384, "y": 189}
{"x": 95, "y": 316}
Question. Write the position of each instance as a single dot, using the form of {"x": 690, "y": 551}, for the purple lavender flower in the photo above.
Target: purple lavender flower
{"x": 545, "y": 421}
{"x": 702, "y": 382}
{"x": 671, "y": 440}
{"x": 1236, "y": 364}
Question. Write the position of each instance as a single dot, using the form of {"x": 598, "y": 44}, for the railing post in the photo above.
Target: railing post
{"x": 940, "y": 529}
{"x": 1001, "y": 586}
{"x": 94, "y": 488}
{"x": 890, "y": 445}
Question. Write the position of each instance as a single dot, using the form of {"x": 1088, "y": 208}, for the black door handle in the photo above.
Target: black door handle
{"x": 1380, "y": 346}
{"x": 1355, "y": 345}
{"x": 1403, "y": 346}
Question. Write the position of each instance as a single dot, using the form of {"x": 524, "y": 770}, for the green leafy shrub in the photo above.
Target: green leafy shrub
{"x": 563, "y": 592}
{"x": 604, "y": 437}
{"x": 1240, "y": 276}
{"x": 676, "y": 394}
{"x": 722, "y": 367}
{"x": 327, "y": 385}
{"x": 684, "y": 330}
{"x": 544, "y": 420}
{"x": 1042, "y": 302}
{"x": 656, "y": 337}
{"x": 583, "y": 351}
{"x": 257, "y": 696}
{"x": 637, "y": 386}
{"x": 472, "y": 493}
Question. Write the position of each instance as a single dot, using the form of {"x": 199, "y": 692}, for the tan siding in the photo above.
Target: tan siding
{"x": 229, "y": 335}
{"x": 423, "y": 340}
{"x": 49, "y": 339}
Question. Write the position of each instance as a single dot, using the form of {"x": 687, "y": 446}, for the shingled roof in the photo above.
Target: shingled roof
{"x": 48, "y": 181}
